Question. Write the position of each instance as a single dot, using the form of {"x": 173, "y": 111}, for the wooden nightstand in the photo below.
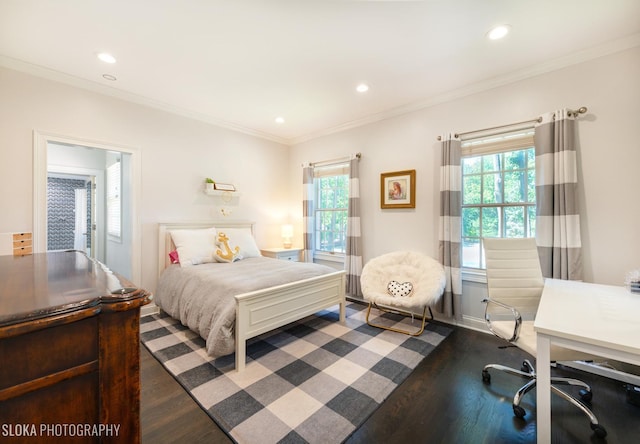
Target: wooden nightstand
{"x": 285, "y": 254}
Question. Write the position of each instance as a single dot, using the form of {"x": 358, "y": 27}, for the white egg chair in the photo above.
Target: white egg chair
{"x": 405, "y": 282}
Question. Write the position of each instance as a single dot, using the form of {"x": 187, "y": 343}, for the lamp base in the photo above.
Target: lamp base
{"x": 287, "y": 245}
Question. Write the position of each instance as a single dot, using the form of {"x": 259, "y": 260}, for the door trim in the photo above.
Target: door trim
{"x": 40, "y": 141}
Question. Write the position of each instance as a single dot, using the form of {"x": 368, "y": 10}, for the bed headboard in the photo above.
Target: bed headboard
{"x": 165, "y": 243}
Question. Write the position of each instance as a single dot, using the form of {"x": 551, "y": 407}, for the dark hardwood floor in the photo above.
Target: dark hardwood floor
{"x": 443, "y": 401}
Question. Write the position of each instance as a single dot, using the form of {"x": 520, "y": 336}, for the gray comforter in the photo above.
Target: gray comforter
{"x": 202, "y": 296}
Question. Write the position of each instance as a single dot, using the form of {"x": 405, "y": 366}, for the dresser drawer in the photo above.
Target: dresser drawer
{"x": 51, "y": 350}
{"x": 21, "y": 236}
{"x": 293, "y": 256}
{"x": 22, "y": 243}
{"x": 22, "y": 251}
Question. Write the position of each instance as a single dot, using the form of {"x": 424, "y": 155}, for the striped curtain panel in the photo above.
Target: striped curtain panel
{"x": 307, "y": 211}
{"x": 353, "y": 258}
{"x": 450, "y": 229}
{"x": 557, "y": 216}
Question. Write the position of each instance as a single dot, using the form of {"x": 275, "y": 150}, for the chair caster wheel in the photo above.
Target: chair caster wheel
{"x": 486, "y": 377}
{"x": 519, "y": 411}
{"x": 599, "y": 430}
{"x": 586, "y": 395}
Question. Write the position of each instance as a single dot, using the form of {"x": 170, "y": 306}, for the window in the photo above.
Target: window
{"x": 114, "y": 200}
{"x": 498, "y": 192}
{"x": 331, "y": 209}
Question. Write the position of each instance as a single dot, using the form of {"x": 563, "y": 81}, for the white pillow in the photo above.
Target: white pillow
{"x": 242, "y": 237}
{"x": 195, "y": 246}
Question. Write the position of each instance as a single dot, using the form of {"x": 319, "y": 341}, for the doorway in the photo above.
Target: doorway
{"x": 71, "y": 213}
{"x": 98, "y": 211}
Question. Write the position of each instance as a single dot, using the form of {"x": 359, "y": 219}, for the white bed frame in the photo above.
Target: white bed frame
{"x": 264, "y": 310}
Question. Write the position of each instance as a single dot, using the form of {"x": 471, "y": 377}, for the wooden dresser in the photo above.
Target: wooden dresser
{"x": 69, "y": 350}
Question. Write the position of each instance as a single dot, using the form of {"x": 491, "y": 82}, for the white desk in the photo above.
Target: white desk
{"x": 602, "y": 320}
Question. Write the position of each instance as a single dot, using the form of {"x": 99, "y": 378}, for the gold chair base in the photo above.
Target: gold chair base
{"x": 406, "y": 313}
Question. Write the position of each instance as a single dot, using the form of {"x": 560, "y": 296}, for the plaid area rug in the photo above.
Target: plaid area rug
{"x": 312, "y": 381}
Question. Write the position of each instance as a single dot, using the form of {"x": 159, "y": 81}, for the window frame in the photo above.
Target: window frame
{"x": 489, "y": 144}
{"x": 319, "y": 173}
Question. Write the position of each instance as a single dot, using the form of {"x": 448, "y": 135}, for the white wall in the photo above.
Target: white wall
{"x": 176, "y": 154}
{"x": 609, "y": 161}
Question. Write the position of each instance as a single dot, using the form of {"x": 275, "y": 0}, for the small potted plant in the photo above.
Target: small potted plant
{"x": 209, "y": 184}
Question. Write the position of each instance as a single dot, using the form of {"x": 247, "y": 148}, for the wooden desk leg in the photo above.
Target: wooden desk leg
{"x": 543, "y": 389}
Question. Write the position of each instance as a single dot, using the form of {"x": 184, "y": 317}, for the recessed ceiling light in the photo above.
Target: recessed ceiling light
{"x": 499, "y": 32}
{"x": 109, "y": 77}
{"x": 106, "y": 57}
{"x": 279, "y": 119}
{"x": 363, "y": 87}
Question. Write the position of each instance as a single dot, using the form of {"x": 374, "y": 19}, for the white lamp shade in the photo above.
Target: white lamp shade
{"x": 287, "y": 234}
{"x": 287, "y": 230}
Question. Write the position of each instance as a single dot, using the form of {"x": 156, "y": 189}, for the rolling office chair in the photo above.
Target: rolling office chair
{"x": 404, "y": 281}
{"x": 514, "y": 284}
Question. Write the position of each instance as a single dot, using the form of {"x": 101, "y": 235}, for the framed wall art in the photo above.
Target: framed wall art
{"x": 398, "y": 189}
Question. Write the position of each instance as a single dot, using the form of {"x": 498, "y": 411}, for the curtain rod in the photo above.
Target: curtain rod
{"x": 332, "y": 161}
{"x": 575, "y": 113}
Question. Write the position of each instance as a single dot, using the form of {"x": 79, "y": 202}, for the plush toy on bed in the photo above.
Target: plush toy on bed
{"x": 226, "y": 254}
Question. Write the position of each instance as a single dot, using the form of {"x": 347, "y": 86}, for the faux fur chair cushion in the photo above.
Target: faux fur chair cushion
{"x": 423, "y": 272}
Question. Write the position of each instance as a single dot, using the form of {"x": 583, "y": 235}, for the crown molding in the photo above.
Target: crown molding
{"x": 57, "y": 76}
{"x": 578, "y": 57}
{"x": 605, "y": 49}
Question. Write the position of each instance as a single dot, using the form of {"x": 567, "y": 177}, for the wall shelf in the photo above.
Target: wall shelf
{"x": 222, "y": 193}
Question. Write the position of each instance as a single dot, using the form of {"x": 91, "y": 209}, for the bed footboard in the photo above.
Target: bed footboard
{"x": 261, "y": 311}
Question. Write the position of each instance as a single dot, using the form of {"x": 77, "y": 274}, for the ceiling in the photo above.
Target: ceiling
{"x": 241, "y": 63}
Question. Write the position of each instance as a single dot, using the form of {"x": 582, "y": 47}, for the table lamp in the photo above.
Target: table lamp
{"x": 287, "y": 235}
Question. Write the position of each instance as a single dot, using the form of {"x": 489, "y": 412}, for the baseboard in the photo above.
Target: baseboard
{"x": 149, "y": 309}
{"x": 473, "y": 323}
